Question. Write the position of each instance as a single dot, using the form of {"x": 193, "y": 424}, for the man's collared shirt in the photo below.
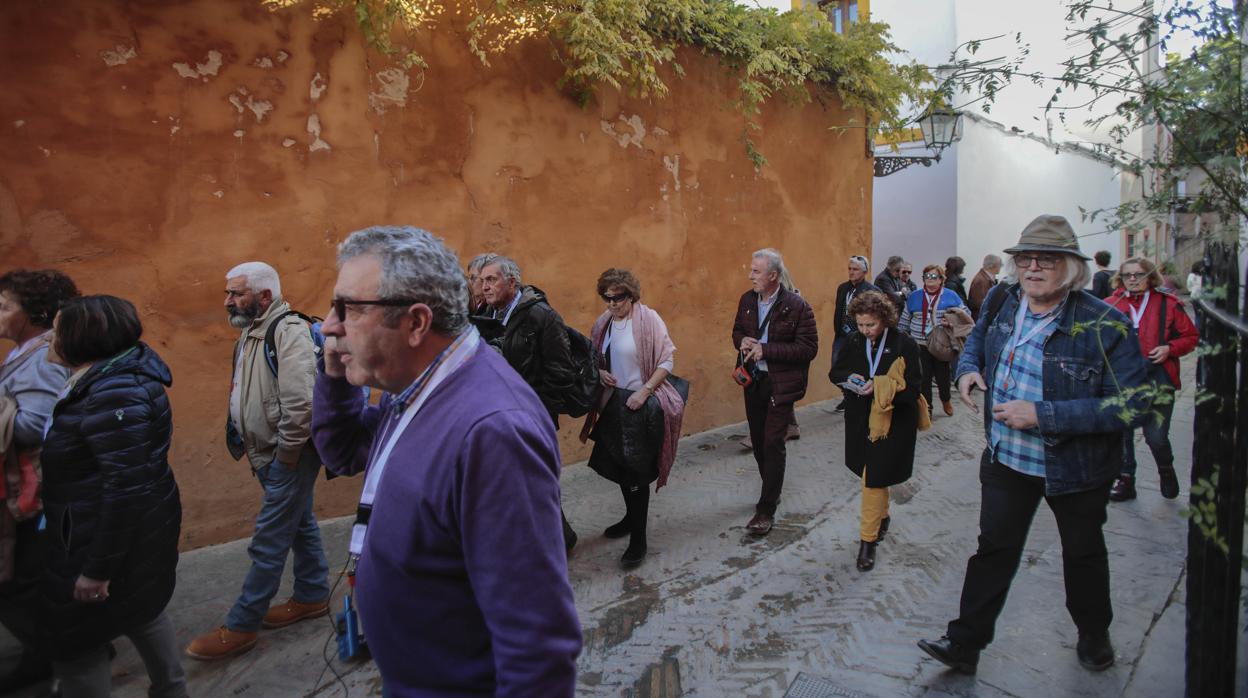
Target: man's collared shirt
{"x": 764, "y": 308}
{"x": 1022, "y": 379}
{"x": 506, "y": 315}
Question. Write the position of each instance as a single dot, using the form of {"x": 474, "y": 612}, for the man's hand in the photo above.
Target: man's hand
{"x": 606, "y": 379}
{"x": 333, "y": 361}
{"x": 756, "y": 353}
{"x": 966, "y": 383}
{"x": 1016, "y": 414}
{"x": 747, "y": 345}
{"x": 90, "y": 590}
{"x": 1159, "y": 354}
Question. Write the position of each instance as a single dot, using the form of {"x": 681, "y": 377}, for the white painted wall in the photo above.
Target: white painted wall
{"x": 1006, "y": 180}
{"x": 914, "y": 213}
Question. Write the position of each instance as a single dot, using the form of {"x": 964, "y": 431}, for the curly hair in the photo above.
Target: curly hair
{"x": 40, "y": 292}
{"x": 619, "y": 278}
{"x": 874, "y": 303}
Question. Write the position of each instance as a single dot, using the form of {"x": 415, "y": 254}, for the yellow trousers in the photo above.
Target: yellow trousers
{"x": 874, "y": 509}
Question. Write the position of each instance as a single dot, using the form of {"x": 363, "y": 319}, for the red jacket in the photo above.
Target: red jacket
{"x": 1180, "y": 333}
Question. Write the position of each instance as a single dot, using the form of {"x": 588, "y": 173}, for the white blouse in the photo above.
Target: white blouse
{"x": 624, "y": 364}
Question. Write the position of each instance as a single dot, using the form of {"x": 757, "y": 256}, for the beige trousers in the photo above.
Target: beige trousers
{"x": 874, "y": 509}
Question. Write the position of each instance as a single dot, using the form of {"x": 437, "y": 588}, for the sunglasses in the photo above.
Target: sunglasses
{"x": 932, "y": 276}
{"x": 615, "y": 299}
{"x": 339, "y": 305}
{"x": 1024, "y": 261}
{"x": 906, "y": 273}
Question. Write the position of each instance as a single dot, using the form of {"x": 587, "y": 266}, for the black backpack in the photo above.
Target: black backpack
{"x": 580, "y": 399}
{"x": 270, "y": 337}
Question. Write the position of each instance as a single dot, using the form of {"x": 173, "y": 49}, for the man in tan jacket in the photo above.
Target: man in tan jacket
{"x": 270, "y": 419}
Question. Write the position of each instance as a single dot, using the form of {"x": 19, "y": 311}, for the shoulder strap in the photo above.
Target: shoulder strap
{"x": 1161, "y": 326}
{"x": 270, "y": 337}
{"x": 998, "y": 300}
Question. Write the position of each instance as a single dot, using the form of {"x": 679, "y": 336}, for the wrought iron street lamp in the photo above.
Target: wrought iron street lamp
{"x": 940, "y": 129}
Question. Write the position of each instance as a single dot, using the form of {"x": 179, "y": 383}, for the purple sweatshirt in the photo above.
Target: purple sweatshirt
{"x": 462, "y": 586}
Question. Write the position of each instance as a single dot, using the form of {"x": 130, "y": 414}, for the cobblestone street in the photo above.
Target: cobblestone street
{"x": 716, "y": 612}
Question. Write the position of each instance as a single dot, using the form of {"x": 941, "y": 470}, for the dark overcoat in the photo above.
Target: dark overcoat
{"x": 112, "y": 505}
{"x": 890, "y": 460}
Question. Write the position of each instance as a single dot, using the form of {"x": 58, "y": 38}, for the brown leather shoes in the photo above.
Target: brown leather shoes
{"x": 760, "y": 525}
{"x": 948, "y": 407}
{"x": 292, "y": 612}
{"x": 220, "y": 643}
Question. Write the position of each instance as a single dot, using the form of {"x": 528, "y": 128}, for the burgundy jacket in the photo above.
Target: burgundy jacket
{"x": 792, "y": 342}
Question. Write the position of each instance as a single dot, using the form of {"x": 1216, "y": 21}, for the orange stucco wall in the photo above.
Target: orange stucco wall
{"x": 147, "y": 147}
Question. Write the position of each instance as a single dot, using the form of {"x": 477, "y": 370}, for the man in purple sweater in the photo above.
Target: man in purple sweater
{"x": 462, "y": 580}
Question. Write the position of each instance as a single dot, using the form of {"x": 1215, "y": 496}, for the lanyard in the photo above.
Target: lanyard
{"x": 443, "y": 366}
{"x": 1137, "y": 315}
{"x": 1018, "y": 340}
{"x": 929, "y": 308}
{"x": 874, "y": 363}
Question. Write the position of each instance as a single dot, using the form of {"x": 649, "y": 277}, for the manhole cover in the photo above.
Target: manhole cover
{"x": 805, "y": 686}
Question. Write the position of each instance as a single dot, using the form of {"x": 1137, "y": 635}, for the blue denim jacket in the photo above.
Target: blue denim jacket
{"x": 1095, "y": 386}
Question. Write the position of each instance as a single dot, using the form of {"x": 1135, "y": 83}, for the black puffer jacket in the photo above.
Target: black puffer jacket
{"x": 535, "y": 343}
{"x": 110, "y": 499}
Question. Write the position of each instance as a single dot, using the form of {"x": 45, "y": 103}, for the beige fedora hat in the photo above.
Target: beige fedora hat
{"x": 1049, "y": 233}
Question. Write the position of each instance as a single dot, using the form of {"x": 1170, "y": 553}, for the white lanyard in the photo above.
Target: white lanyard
{"x": 931, "y": 311}
{"x": 454, "y": 358}
{"x": 1137, "y": 315}
{"x": 1018, "y": 340}
{"x": 874, "y": 363}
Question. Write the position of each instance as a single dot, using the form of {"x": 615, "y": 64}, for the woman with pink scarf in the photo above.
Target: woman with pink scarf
{"x": 636, "y": 423}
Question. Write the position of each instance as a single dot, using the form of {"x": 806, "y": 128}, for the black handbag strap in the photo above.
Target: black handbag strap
{"x": 1161, "y": 332}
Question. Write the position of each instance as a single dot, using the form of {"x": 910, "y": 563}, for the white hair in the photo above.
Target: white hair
{"x": 861, "y": 261}
{"x": 991, "y": 260}
{"x": 260, "y": 277}
{"x": 506, "y": 266}
{"x": 1078, "y": 274}
{"x": 416, "y": 267}
{"x": 481, "y": 261}
{"x": 775, "y": 261}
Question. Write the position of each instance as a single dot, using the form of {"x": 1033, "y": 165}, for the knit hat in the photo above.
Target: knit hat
{"x": 1049, "y": 233}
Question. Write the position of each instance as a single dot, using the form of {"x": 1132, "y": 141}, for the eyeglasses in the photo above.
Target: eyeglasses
{"x": 1046, "y": 261}
{"x": 617, "y": 298}
{"x": 1133, "y": 275}
{"x": 339, "y": 305}
{"x": 932, "y": 275}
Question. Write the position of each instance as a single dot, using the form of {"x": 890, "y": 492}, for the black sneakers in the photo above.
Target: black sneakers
{"x": 1169, "y": 482}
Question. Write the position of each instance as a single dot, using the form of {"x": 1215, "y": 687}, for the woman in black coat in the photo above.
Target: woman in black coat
{"x": 865, "y": 368}
{"x": 112, "y": 506}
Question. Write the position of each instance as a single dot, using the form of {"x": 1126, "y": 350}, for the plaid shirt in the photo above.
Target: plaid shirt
{"x": 1022, "y": 450}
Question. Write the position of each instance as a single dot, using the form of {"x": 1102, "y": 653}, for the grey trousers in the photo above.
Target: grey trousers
{"x": 90, "y": 675}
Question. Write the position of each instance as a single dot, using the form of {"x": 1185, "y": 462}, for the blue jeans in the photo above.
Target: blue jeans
{"x": 284, "y": 525}
{"x": 1156, "y": 435}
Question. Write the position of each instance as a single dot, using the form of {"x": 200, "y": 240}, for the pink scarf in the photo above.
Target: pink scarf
{"x": 654, "y": 346}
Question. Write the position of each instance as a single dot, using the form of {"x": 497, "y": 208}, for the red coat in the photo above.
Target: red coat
{"x": 1181, "y": 334}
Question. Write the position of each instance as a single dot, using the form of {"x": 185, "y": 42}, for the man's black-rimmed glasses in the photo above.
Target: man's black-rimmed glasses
{"x": 339, "y": 305}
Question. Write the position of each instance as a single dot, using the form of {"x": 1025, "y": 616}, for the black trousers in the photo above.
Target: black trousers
{"x": 769, "y": 424}
{"x": 1010, "y": 500}
{"x": 932, "y": 368}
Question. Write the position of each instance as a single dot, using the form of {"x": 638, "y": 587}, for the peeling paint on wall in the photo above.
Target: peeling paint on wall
{"x": 393, "y": 91}
{"x": 317, "y": 87}
{"x": 19, "y": 123}
{"x": 633, "y": 123}
{"x": 210, "y": 66}
{"x": 287, "y": 142}
{"x": 282, "y": 56}
{"x": 258, "y": 107}
{"x": 672, "y": 165}
{"x": 120, "y": 55}
{"x": 314, "y": 129}
{"x": 263, "y": 62}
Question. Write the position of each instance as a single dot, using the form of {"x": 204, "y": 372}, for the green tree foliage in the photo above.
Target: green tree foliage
{"x": 632, "y": 46}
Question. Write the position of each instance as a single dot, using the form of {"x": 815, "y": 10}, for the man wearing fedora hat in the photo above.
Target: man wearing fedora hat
{"x": 1049, "y": 357}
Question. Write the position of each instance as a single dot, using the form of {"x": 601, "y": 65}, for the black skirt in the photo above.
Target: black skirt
{"x": 627, "y": 443}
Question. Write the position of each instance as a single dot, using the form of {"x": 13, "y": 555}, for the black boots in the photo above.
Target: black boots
{"x": 866, "y": 556}
{"x": 637, "y": 504}
{"x": 884, "y": 522}
{"x": 951, "y": 654}
{"x": 1169, "y": 481}
{"x": 1095, "y": 652}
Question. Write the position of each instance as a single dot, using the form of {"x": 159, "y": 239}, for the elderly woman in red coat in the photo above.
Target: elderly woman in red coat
{"x": 1165, "y": 334}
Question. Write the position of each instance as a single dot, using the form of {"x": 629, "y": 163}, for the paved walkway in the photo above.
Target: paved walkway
{"x": 716, "y": 612}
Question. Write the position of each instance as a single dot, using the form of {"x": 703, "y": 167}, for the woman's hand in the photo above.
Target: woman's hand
{"x": 868, "y": 389}
{"x": 90, "y": 590}
{"x": 638, "y": 399}
{"x": 606, "y": 379}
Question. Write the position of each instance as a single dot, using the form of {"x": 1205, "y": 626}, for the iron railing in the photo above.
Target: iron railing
{"x": 1219, "y": 453}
